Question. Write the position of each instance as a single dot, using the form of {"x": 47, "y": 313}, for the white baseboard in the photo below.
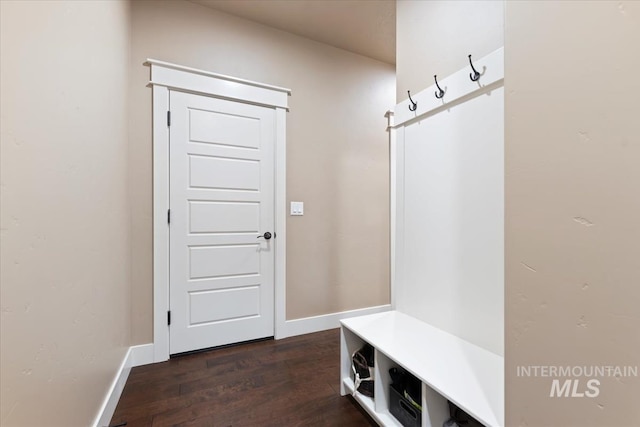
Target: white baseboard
{"x": 136, "y": 356}
{"x": 309, "y": 325}
{"x": 141, "y": 355}
{"x": 113, "y": 394}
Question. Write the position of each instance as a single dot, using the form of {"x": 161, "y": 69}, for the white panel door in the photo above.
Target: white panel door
{"x": 222, "y": 203}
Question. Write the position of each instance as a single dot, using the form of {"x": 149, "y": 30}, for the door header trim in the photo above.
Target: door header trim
{"x": 189, "y": 79}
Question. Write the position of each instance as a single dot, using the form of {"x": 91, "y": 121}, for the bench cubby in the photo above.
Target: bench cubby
{"x": 448, "y": 367}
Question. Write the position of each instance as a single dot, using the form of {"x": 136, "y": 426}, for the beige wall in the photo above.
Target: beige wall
{"x": 572, "y": 236}
{"x": 572, "y": 206}
{"x": 337, "y": 151}
{"x": 435, "y": 37}
{"x": 65, "y": 295}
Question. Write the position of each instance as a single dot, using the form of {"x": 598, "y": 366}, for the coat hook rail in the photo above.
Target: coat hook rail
{"x": 440, "y": 92}
{"x": 475, "y": 76}
{"x": 414, "y": 105}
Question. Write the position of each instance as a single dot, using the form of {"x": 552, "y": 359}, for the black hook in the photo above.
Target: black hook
{"x": 439, "y": 94}
{"x": 475, "y": 76}
{"x": 415, "y": 104}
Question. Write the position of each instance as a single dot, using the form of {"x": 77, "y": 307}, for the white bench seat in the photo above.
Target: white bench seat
{"x": 464, "y": 373}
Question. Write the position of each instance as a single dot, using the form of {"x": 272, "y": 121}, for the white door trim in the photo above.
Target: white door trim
{"x": 166, "y": 77}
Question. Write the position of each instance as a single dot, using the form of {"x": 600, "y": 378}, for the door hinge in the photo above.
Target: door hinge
{"x": 169, "y": 318}
{"x": 168, "y": 118}
{"x": 168, "y": 216}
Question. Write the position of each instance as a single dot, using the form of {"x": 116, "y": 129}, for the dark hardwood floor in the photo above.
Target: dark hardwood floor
{"x": 290, "y": 382}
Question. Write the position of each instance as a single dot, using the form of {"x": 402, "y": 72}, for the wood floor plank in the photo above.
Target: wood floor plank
{"x": 290, "y": 382}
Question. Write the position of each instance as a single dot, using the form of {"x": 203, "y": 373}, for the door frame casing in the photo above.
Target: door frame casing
{"x": 164, "y": 78}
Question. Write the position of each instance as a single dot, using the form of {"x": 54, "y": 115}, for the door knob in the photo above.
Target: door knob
{"x": 266, "y": 236}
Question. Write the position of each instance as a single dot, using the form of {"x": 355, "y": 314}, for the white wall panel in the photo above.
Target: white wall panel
{"x": 452, "y": 255}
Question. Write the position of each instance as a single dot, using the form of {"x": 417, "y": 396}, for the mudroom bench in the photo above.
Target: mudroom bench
{"x": 449, "y": 368}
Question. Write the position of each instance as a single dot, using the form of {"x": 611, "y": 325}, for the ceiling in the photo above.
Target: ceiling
{"x": 365, "y": 27}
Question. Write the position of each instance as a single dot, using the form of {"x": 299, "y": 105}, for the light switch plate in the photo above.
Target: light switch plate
{"x": 297, "y": 208}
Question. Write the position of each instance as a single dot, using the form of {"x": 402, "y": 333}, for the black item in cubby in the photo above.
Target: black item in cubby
{"x": 403, "y": 410}
{"x": 460, "y": 417}
{"x": 408, "y": 385}
{"x": 405, "y": 397}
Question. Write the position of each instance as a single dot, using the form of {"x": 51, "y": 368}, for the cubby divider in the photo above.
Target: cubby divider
{"x": 381, "y": 386}
{"x": 435, "y": 409}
